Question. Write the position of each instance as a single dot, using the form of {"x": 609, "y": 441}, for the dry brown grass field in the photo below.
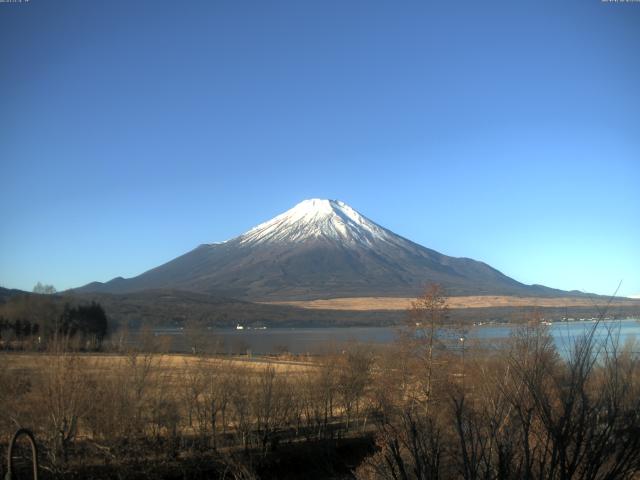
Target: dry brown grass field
{"x": 139, "y": 412}
{"x": 172, "y": 364}
{"x": 156, "y": 415}
{"x": 478, "y": 301}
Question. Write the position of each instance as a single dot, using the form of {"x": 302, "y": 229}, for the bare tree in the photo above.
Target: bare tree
{"x": 44, "y": 289}
{"x": 66, "y": 400}
{"x": 271, "y": 405}
{"x": 318, "y": 391}
{"x": 241, "y": 392}
{"x": 353, "y": 377}
{"x": 427, "y": 314}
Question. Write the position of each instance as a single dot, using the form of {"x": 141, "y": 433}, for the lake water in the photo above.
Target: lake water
{"x": 318, "y": 340}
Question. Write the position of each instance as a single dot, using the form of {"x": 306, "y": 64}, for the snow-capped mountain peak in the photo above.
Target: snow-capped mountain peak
{"x": 317, "y": 219}
{"x": 319, "y": 249}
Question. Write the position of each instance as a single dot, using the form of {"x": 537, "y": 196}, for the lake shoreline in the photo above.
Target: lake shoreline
{"x": 314, "y": 340}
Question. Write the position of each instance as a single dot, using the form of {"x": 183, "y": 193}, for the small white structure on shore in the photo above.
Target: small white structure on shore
{"x": 239, "y": 327}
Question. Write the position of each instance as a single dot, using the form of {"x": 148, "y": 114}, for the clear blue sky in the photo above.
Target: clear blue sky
{"x": 505, "y": 131}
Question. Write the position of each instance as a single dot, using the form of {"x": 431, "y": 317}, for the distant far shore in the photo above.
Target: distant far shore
{"x": 473, "y": 301}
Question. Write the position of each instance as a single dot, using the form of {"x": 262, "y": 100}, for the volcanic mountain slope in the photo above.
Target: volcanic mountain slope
{"x": 320, "y": 249}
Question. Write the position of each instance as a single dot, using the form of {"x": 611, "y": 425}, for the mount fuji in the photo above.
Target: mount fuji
{"x": 320, "y": 249}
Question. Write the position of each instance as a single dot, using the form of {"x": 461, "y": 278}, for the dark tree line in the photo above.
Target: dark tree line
{"x": 88, "y": 321}
{"x": 19, "y": 328}
{"x": 85, "y": 323}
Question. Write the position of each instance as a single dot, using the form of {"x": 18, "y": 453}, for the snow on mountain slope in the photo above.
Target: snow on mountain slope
{"x": 318, "y": 219}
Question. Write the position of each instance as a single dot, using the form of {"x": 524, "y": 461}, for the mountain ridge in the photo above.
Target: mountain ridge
{"x": 320, "y": 249}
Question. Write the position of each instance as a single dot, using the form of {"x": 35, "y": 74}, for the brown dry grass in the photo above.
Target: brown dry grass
{"x": 488, "y": 301}
{"x": 172, "y": 364}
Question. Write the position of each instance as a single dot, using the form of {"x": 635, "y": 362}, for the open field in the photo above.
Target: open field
{"x": 155, "y": 415}
{"x": 149, "y": 415}
{"x": 173, "y": 364}
{"x": 484, "y": 301}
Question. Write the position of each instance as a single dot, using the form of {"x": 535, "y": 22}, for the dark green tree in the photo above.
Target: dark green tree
{"x": 88, "y": 321}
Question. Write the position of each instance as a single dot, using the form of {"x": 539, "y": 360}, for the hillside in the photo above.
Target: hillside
{"x": 321, "y": 249}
